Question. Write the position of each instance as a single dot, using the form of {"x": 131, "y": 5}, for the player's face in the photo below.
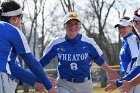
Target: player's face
{"x": 124, "y": 30}
{"x": 16, "y": 21}
{"x": 72, "y": 28}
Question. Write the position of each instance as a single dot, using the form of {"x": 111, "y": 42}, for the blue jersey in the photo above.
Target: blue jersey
{"x": 129, "y": 51}
{"x": 74, "y": 56}
{"x": 12, "y": 39}
{"x": 13, "y": 42}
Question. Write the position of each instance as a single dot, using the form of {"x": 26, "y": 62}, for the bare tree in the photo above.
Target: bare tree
{"x": 67, "y": 5}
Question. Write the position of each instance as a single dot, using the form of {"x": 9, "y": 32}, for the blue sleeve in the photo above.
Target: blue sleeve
{"x": 22, "y": 74}
{"x": 99, "y": 60}
{"x": 37, "y": 69}
{"x": 18, "y": 41}
{"x": 128, "y": 76}
{"x": 46, "y": 59}
{"x": 96, "y": 55}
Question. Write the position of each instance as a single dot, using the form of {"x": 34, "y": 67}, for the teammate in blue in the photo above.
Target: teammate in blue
{"x": 129, "y": 50}
{"x": 74, "y": 53}
{"x": 128, "y": 54}
{"x": 128, "y": 85}
{"x": 13, "y": 43}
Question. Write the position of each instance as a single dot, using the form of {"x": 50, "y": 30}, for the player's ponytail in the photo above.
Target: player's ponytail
{"x": 0, "y": 12}
{"x": 136, "y": 13}
{"x": 136, "y": 33}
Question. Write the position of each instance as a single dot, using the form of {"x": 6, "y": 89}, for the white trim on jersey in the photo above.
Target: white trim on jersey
{"x": 133, "y": 46}
{"x": 9, "y": 59}
{"x": 52, "y": 43}
{"x": 8, "y": 68}
{"x": 138, "y": 61}
{"x": 91, "y": 41}
{"x": 7, "y": 65}
{"x": 25, "y": 43}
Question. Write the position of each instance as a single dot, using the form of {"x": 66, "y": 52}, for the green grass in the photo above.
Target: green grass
{"x": 101, "y": 90}
{"x": 96, "y": 90}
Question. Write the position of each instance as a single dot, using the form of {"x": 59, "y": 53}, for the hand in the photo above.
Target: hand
{"x": 40, "y": 87}
{"x": 126, "y": 87}
{"x": 111, "y": 86}
{"x": 53, "y": 90}
{"x": 113, "y": 75}
{"x": 53, "y": 81}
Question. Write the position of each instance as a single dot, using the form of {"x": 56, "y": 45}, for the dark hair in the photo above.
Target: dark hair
{"x": 136, "y": 12}
{"x": 7, "y": 6}
{"x": 125, "y": 17}
{"x": 135, "y": 31}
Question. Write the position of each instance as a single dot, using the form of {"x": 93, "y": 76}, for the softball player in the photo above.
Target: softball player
{"x": 129, "y": 54}
{"x": 13, "y": 42}
{"x": 75, "y": 52}
{"x": 128, "y": 85}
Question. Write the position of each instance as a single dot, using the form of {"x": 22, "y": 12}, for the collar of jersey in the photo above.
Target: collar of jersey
{"x": 130, "y": 34}
{"x": 74, "y": 40}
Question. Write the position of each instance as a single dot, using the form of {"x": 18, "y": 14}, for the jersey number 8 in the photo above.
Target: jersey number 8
{"x": 73, "y": 66}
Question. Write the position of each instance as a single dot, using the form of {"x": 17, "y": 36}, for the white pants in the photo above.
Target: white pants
{"x": 135, "y": 89}
{"x": 70, "y": 87}
{"x": 6, "y": 84}
{"x": 13, "y": 86}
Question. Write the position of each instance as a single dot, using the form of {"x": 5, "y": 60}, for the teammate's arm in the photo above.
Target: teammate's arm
{"x": 135, "y": 80}
{"x": 128, "y": 85}
{"x": 49, "y": 54}
{"x": 110, "y": 72}
{"x": 96, "y": 55}
{"x": 133, "y": 73}
{"x": 23, "y": 75}
{"x": 22, "y": 48}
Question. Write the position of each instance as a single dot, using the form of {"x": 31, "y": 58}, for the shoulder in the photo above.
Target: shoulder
{"x": 6, "y": 25}
{"x": 57, "y": 40}
{"x": 88, "y": 40}
{"x": 53, "y": 42}
{"x": 92, "y": 43}
{"x": 132, "y": 38}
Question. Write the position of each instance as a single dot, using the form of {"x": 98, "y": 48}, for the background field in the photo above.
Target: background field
{"x": 101, "y": 90}
{"x": 96, "y": 90}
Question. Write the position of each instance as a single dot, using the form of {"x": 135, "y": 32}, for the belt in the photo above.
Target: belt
{"x": 77, "y": 80}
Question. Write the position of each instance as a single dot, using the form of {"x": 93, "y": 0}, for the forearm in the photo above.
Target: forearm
{"x": 129, "y": 76}
{"x": 106, "y": 67}
{"x": 37, "y": 69}
{"x": 135, "y": 80}
{"x": 111, "y": 73}
{"x": 22, "y": 74}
